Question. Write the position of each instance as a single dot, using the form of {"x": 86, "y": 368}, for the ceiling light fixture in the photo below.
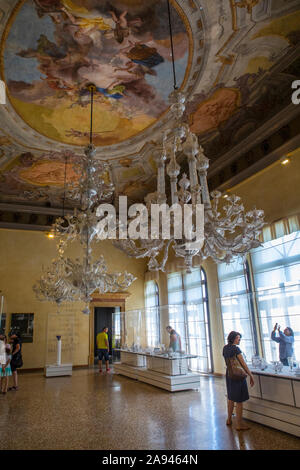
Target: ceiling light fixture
{"x": 75, "y": 280}
{"x": 229, "y": 231}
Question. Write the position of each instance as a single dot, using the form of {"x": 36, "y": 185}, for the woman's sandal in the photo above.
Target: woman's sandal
{"x": 228, "y": 422}
{"x": 13, "y": 388}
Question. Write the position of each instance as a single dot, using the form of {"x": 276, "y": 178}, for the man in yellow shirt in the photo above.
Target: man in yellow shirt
{"x": 103, "y": 348}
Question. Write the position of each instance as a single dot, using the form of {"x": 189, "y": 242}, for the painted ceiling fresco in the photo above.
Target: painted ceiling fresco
{"x": 235, "y": 60}
{"x": 122, "y": 47}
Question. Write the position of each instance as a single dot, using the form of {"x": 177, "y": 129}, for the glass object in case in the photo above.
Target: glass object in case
{"x": 60, "y": 340}
{"x": 161, "y": 339}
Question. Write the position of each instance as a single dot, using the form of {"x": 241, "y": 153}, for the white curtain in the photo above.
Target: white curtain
{"x": 280, "y": 228}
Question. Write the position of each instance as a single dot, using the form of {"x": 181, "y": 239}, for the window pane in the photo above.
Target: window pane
{"x": 276, "y": 267}
{"x": 152, "y": 316}
{"x": 188, "y": 316}
{"x": 235, "y": 305}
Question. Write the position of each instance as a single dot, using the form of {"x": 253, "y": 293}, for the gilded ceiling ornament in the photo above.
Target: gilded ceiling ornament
{"x": 249, "y": 4}
{"x": 127, "y": 162}
{"x": 4, "y": 141}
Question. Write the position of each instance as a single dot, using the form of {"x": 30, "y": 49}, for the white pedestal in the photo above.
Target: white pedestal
{"x": 54, "y": 370}
{"x": 133, "y": 359}
{"x": 172, "y": 383}
{"x": 178, "y": 366}
{"x": 58, "y": 352}
{"x": 275, "y": 401}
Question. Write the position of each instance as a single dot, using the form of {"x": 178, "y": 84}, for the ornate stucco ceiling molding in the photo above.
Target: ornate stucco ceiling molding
{"x": 279, "y": 120}
{"x": 232, "y": 37}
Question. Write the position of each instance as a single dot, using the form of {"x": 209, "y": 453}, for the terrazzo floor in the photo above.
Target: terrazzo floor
{"x": 109, "y": 412}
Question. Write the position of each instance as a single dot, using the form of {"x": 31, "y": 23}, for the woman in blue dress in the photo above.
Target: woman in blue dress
{"x": 237, "y": 390}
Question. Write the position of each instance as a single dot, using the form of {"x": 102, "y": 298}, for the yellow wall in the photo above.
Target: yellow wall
{"x": 276, "y": 189}
{"x": 22, "y": 255}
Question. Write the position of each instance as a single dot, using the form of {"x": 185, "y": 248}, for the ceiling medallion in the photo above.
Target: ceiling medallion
{"x": 123, "y": 50}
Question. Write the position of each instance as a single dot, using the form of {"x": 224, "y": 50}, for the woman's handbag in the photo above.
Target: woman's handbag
{"x": 17, "y": 360}
{"x": 235, "y": 369}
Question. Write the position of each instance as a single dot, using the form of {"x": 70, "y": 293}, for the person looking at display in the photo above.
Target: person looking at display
{"x": 16, "y": 360}
{"x": 2, "y": 347}
{"x": 5, "y": 371}
{"x": 237, "y": 390}
{"x": 286, "y": 342}
{"x": 103, "y": 348}
{"x": 175, "y": 340}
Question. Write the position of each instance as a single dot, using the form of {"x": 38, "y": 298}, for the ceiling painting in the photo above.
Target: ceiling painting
{"x": 123, "y": 47}
{"x": 49, "y": 173}
{"x": 285, "y": 27}
{"x": 235, "y": 61}
{"x": 28, "y": 172}
{"x": 217, "y": 109}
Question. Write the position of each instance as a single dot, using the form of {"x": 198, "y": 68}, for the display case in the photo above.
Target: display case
{"x": 275, "y": 397}
{"x": 158, "y": 346}
{"x": 59, "y": 344}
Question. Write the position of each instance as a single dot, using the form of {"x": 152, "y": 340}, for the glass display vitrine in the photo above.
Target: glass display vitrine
{"x": 178, "y": 345}
{"x": 60, "y": 341}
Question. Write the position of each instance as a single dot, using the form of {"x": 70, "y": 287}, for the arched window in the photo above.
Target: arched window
{"x": 152, "y": 314}
{"x": 189, "y": 315}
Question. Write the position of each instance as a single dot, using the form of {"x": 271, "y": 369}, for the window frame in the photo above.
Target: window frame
{"x": 156, "y": 306}
{"x": 254, "y": 292}
{"x": 206, "y": 312}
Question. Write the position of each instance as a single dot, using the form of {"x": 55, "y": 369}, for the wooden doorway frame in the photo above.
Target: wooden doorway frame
{"x": 117, "y": 299}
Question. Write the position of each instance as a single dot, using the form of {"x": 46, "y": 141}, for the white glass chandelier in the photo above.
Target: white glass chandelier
{"x": 68, "y": 280}
{"x": 229, "y": 231}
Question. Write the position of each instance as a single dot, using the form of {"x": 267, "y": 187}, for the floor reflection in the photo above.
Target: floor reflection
{"x": 93, "y": 411}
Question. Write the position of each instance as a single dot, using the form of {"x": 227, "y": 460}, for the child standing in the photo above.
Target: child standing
{"x": 5, "y": 371}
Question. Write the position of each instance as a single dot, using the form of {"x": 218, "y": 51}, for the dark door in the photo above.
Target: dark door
{"x": 103, "y": 317}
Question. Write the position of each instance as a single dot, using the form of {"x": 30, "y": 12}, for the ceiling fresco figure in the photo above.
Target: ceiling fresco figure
{"x": 124, "y": 52}
{"x": 122, "y": 28}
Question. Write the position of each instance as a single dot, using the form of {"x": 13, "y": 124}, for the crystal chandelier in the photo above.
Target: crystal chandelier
{"x": 75, "y": 280}
{"x": 54, "y": 285}
{"x": 228, "y": 232}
